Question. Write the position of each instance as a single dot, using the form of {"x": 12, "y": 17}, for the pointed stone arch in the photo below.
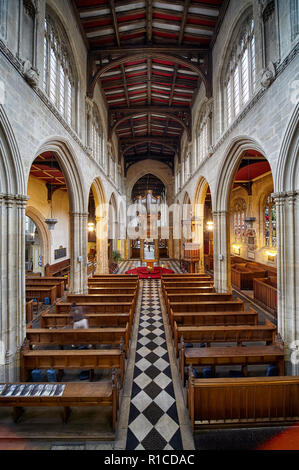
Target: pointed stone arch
{"x": 65, "y": 155}
{"x": 12, "y": 251}
{"x": 38, "y": 219}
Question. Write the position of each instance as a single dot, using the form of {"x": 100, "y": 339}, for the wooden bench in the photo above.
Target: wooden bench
{"x": 99, "y": 308}
{"x": 61, "y": 268}
{"x": 66, "y": 337}
{"x": 224, "y": 334}
{"x": 40, "y": 293}
{"x": 181, "y": 283}
{"x": 215, "y": 318}
{"x": 92, "y": 290}
{"x": 232, "y": 355}
{"x": 265, "y": 292}
{"x": 74, "y": 395}
{"x": 187, "y": 290}
{"x": 29, "y": 311}
{"x": 208, "y": 306}
{"x": 95, "y": 320}
{"x": 42, "y": 282}
{"x": 86, "y": 359}
{"x": 191, "y": 297}
{"x": 186, "y": 277}
{"x": 116, "y": 277}
{"x": 113, "y": 285}
{"x": 242, "y": 275}
{"x": 242, "y": 402}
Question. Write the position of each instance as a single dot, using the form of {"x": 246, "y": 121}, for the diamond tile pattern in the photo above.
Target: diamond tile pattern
{"x": 153, "y": 420}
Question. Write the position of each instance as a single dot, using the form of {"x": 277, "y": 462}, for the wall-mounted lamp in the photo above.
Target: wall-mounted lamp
{"x": 90, "y": 226}
{"x": 210, "y": 226}
{"x": 271, "y": 255}
{"x": 237, "y": 249}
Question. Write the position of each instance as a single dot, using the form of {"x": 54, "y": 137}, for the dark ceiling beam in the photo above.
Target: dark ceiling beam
{"x": 184, "y": 21}
{"x": 115, "y": 24}
{"x": 173, "y": 84}
{"x": 152, "y": 109}
{"x": 149, "y": 81}
{"x": 140, "y": 139}
{"x": 112, "y": 51}
{"x": 149, "y": 21}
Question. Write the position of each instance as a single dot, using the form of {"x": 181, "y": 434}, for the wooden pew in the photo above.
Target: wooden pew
{"x": 66, "y": 337}
{"x": 187, "y": 290}
{"x": 113, "y": 285}
{"x": 224, "y": 334}
{"x": 242, "y": 402}
{"x": 186, "y": 277}
{"x": 181, "y": 283}
{"x": 95, "y": 320}
{"x": 29, "y": 311}
{"x": 232, "y": 355}
{"x": 215, "y": 318}
{"x": 174, "y": 299}
{"x": 103, "y": 298}
{"x": 116, "y": 277}
{"x": 86, "y": 359}
{"x": 99, "y": 308}
{"x": 95, "y": 290}
{"x": 102, "y": 393}
{"x": 265, "y": 292}
{"x": 110, "y": 307}
{"x": 61, "y": 268}
{"x": 208, "y": 306}
{"x": 40, "y": 293}
{"x": 41, "y": 282}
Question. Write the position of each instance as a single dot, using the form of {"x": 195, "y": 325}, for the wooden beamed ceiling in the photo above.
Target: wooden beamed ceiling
{"x": 150, "y": 59}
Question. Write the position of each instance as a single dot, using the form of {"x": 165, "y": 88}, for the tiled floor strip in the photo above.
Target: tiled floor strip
{"x": 153, "y": 420}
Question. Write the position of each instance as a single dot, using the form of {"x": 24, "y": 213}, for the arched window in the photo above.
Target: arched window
{"x": 294, "y": 19}
{"x": 270, "y": 223}
{"x": 96, "y": 136}
{"x": 240, "y": 72}
{"x": 59, "y": 82}
{"x": 238, "y": 220}
{"x": 203, "y": 133}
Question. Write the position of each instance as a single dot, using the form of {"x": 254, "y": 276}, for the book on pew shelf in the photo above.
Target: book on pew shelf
{"x": 2, "y": 387}
{"x": 28, "y": 390}
{"x": 37, "y": 391}
{"x": 19, "y": 391}
{"x": 9, "y": 391}
{"x": 59, "y": 390}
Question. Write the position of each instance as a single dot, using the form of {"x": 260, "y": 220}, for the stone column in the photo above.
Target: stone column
{"x": 79, "y": 252}
{"x": 222, "y": 278}
{"x": 12, "y": 285}
{"x": 157, "y": 257}
{"x": 198, "y": 237}
{"x": 287, "y": 209}
{"x": 102, "y": 245}
{"x": 142, "y": 249}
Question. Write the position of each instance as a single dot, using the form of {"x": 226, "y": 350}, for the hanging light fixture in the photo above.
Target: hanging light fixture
{"x": 51, "y": 222}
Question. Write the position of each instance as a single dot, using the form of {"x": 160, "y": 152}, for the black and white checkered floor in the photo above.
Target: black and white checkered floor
{"x": 153, "y": 420}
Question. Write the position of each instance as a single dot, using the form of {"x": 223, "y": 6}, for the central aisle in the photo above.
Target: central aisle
{"x": 153, "y": 420}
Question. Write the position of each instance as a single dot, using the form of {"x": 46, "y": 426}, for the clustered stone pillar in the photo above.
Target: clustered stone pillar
{"x": 79, "y": 244}
{"x": 12, "y": 286}
{"x": 287, "y": 209}
{"x": 102, "y": 244}
{"x": 222, "y": 278}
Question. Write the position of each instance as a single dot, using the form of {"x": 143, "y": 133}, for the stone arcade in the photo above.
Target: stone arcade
{"x": 147, "y": 138}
